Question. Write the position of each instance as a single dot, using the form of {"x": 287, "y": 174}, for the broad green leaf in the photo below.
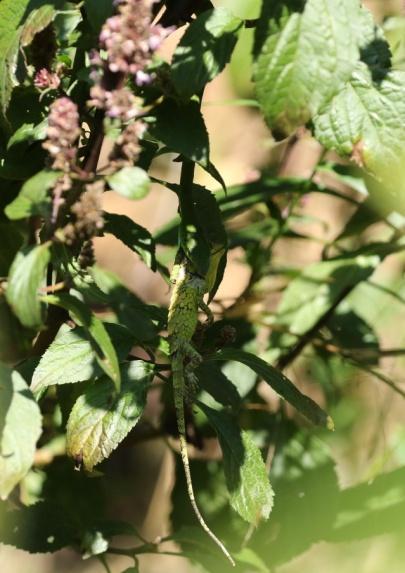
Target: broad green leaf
{"x": 246, "y": 476}
{"x": 138, "y": 317}
{"x": 97, "y": 12}
{"x": 364, "y": 120}
{"x": 26, "y": 276}
{"x": 280, "y": 384}
{"x": 182, "y": 129}
{"x": 101, "y": 341}
{"x": 130, "y": 182}
{"x": 309, "y": 296}
{"x": 11, "y": 13}
{"x": 33, "y": 198}
{"x": 100, "y": 420}
{"x": 37, "y": 21}
{"x": 302, "y": 60}
{"x": 132, "y": 235}
{"x": 204, "y": 51}
{"x": 71, "y": 357}
{"x": 20, "y": 424}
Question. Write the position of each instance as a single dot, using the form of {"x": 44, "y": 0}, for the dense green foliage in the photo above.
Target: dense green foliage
{"x": 80, "y": 352}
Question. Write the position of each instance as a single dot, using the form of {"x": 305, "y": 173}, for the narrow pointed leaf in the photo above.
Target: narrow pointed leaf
{"x": 280, "y": 384}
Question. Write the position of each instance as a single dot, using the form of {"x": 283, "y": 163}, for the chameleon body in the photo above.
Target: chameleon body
{"x": 187, "y": 297}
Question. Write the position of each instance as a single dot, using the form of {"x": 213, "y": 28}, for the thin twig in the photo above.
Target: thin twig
{"x": 286, "y": 359}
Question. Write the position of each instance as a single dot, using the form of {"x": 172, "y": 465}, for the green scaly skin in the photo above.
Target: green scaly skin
{"x": 186, "y": 299}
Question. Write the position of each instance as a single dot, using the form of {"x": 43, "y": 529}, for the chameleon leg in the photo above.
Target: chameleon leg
{"x": 210, "y": 317}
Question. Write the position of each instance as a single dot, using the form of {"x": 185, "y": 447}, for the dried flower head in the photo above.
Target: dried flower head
{"x": 86, "y": 257}
{"x": 62, "y": 133}
{"x": 127, "y": 148}
{"x": 88, "y": 215}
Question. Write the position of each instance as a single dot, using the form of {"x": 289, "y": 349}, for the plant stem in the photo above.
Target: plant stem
{"x": 286, "y": 359}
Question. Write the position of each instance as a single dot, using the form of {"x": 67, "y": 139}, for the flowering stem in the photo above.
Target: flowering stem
{"x": 95, "y": 143}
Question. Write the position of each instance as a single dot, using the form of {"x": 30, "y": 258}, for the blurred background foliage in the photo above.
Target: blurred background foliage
{"x": 340, "y": 497}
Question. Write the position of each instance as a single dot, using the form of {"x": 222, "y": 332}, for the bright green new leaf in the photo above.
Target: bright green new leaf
{"x": 246, "y": 476}
{"x": 26, "y": 276}
{"x": 33, "y": 198}
{"x": 280, "y": 384}
{"x": 95, "y": 329}
{"x": 130, "y": 182}
{"x": 20, "y": 428}
{"x": 365, "y": 121}
{"x": 204, "y": 50}
{"x": 305, "y": 53}
{"x": 100, "y": 420}
{"x": 71, "y": 357}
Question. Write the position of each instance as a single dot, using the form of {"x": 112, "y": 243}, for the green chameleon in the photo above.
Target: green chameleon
{"x": 186, "y": 300}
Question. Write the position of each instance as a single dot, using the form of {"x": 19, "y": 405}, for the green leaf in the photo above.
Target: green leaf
{"x": 71, "y": 357}
{"x": 215, "y": 383}
{"x": 181, "y": 127}
{"x": 95, "y": 329}
{"x": 11, "y": 13}
{"x": 280, "y": 384}
{"x": 132, "y": 235}
{"x": 130, "y": 310}
{"x": 26, "y": 276}
{"x": 130, "y": 182}
{"x": 364, "y": 120}
{"x": 309, "y": 296}
{"x": 100, "y": 421}
{"x": 37, "y": 21}
{"x": 27, "y": 133}
{"x": 98, "y": 11}
{"x": 246, "y": 476}
{"x": 33, "y": 198}
{"x": 204, "y": 51}
{"x": 251, "y": 559}
{"x": 20, "y": 424}
{"x": 302, "y": 59}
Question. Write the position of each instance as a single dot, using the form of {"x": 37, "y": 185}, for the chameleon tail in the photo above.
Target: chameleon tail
{"x": 178, "y": 379}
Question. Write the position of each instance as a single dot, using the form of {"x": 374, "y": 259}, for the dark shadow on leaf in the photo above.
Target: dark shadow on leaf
{"x": 377, "y": 56}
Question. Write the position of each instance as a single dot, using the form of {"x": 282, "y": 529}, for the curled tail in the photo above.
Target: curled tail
{"x": 178, "y": 384}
